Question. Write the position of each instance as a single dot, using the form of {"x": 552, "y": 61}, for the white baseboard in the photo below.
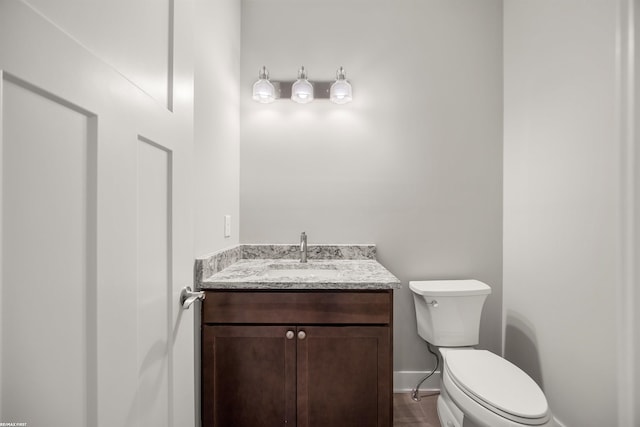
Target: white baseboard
{"x": 405, "y": 381}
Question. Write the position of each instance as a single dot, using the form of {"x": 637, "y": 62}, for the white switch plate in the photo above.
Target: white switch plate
{"x": 227, "y": 226}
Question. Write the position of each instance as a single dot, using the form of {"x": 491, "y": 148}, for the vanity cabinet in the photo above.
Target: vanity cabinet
{"x": 306, "y": 359}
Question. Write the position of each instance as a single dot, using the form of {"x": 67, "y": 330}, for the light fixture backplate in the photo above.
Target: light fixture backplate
{"x": 320, "y": 88}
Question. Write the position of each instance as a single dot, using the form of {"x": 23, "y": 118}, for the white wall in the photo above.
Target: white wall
{"x": 217, "y": 123}
{"x": 562, "y": 228}
{"x": 414, "y": 164}
{"x": 216, "y": 131}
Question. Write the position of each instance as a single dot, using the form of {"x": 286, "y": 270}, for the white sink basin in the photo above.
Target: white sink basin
{"x": 302, "y": 271}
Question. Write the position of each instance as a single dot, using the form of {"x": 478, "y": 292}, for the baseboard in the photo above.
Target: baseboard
{"x": 405, "y": 381}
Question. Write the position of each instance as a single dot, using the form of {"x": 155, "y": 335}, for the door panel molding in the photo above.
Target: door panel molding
{"x": 154, "y": 284}
{"x": 141, "y": 49}
{"x": 34, "y": 276}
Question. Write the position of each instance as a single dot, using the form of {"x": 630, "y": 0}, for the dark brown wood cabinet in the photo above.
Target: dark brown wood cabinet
{"x": 306, "y": 359}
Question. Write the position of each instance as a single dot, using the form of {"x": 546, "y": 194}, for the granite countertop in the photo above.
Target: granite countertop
{"x": 266, "y": 268}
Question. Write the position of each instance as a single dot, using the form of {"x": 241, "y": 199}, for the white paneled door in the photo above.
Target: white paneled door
{"x": 95, "y": 213}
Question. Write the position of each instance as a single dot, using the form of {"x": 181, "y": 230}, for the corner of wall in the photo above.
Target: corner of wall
{"x": 217, "y": 124}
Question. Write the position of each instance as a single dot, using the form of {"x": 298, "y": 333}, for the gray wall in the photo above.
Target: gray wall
{"x": 216, "y": 123}
{"x": 413, "y": 164}
{"x": 562, "y": 228}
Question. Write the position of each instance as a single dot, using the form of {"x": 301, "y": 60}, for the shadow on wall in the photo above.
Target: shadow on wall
{"x": 521, "y": 346}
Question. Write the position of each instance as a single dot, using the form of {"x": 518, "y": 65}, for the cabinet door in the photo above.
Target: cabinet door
{"x": 248, "y": 376}
{"x": 344, "y": 376}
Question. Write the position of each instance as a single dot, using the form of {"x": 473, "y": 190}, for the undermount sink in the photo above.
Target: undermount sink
{"x": 307, "y": 271}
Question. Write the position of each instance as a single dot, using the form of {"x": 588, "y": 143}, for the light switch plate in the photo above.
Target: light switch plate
{"x": 227, "y": 226}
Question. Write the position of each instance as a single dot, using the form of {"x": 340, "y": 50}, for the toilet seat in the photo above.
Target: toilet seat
{"x": 497, "y": 385}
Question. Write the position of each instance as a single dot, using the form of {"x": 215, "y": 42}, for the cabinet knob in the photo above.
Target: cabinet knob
{"x": 302, "y": 335}
{"x": 290, "y": 335}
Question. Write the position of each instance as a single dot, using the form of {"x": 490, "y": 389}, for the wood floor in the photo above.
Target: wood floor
{"x": 408, "y": 413}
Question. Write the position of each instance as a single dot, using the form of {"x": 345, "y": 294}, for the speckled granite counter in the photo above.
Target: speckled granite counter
{"x": 249, "y": 267}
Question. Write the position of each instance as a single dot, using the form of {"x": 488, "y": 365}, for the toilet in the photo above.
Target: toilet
{"x": 478, "y": 388}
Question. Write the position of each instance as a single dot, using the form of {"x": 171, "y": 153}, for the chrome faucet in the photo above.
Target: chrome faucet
{"x": 303, "y": 247}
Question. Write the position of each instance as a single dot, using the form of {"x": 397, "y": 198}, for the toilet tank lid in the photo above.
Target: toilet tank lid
{"x": 444, "y": 288}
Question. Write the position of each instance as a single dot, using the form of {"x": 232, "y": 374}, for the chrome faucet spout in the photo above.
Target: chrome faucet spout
{"x": 303, "y": 247}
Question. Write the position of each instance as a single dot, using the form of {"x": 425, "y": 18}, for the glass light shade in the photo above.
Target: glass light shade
{"x": 340, "y": 91}
{"x": 302, "y": 90}
{"x": 263, "y": 91}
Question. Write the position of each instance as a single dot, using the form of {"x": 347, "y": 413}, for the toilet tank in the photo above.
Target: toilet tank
{"x": 448, "y": 311}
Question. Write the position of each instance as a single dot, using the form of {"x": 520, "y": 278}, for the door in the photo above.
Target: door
{"x": 344, "y": 376}
{"x": 95, "y": 154}
{"x": 248, "y": 376}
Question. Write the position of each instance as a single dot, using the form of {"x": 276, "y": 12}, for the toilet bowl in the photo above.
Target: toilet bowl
{"x": 490, "y": 391}
{"x": 478, "y": 388}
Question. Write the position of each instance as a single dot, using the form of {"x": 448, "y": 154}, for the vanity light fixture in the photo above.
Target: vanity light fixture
{"x": 263, "y": 90}
{"x": 302, "y": 91}
{"x": 340, "y": 92}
